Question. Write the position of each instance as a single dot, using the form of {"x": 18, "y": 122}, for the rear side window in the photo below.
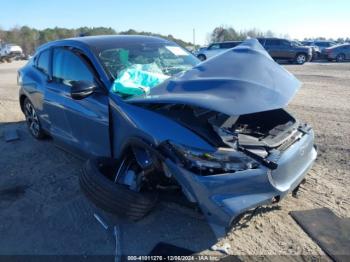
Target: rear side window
{"x": 43, "y": 62}
{"x": 284, "y": 43}
{"x": 68, "y": 67}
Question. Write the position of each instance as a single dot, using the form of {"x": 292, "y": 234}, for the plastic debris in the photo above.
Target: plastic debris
{"x": 225, "y": 248}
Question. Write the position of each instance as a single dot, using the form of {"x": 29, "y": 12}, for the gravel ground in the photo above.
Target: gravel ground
{"x": 43, "y": 180}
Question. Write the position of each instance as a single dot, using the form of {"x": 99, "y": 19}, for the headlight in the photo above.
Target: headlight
{"x": 223, "y": 160}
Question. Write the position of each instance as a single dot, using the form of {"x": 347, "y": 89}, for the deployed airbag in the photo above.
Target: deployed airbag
{"x": 138, "y": 79}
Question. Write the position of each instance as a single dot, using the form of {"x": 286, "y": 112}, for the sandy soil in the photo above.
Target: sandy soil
{"x": 323, "y": 102}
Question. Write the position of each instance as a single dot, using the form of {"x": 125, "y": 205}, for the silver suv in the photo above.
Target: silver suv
{"x": 215, "y": 49}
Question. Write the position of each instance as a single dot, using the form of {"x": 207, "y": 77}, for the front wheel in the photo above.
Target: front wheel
{"x": 300, "y": 59}
{"x": 32, "y": 120}
{"x": 112, "y": 186}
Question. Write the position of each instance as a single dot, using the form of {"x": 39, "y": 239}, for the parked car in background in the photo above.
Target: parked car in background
{"x": 320, "y": 44}
{"x": 338, "y": 53}
{"x": 316, "y": 53}
{"x": 286, "y": 50}
{"x": 215, "y": 49}
{"x": 9, "y": 52}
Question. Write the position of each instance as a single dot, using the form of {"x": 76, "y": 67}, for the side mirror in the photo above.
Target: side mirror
{"x": 82, "y": 89}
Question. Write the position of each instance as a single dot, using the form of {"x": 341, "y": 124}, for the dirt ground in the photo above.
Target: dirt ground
{"x": 38, "y": 180}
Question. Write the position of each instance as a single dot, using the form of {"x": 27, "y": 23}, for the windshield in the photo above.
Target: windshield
{"x": 136, "y": 68}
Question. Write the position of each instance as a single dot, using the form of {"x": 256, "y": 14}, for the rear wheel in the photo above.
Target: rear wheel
{"x": 300, "y": 59}
{"x": 340, "y": 58}
{"x": 32, "y": 120}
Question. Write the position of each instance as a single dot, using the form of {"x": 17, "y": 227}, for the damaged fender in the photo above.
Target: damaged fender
{"x": 242, "y": 81}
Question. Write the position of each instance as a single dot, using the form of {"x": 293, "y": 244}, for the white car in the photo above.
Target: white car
{"x": 215, "y": 49}
{"x": 8, "y": 51}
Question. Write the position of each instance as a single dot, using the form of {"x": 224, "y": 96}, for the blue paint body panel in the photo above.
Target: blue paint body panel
{"x": 242, "y": 80}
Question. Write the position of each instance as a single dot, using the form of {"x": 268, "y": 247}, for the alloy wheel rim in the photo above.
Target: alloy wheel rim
{"x": 301, "y": 59}
{"x": 32, "y": 119}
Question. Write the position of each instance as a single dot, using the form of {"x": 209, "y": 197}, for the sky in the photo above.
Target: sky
{"x": 295, "y": 18}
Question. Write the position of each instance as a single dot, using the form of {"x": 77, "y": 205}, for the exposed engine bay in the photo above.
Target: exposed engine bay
{"x": 239, "y": 139}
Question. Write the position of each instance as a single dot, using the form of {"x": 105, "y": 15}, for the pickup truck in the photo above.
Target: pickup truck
{"x": 284, "y": 49}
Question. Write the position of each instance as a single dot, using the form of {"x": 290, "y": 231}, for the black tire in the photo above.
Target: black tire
{"x": 340, "y": 57}
{"x": 96, "y": 181}
{"x": 201, "y": 57}
{"x": 315, "y": 56}
{"x": 32, "y": 120}
{"x": 300, "y": 58}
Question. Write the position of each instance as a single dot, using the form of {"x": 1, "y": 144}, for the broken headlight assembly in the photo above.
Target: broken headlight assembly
{"x": 223, "y": 160}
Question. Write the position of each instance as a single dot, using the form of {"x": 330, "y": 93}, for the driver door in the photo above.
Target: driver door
{"x": 82, "y": 126}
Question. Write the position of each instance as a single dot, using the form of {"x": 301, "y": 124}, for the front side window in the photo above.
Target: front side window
{"x": 68, "y": 67}
{"x": 228, "y": 45}
{"x": 214, "y": 47}
{"x": 43, "y": 61}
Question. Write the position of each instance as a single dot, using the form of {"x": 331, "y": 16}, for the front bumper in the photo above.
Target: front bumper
{"x": 222, "y": 198}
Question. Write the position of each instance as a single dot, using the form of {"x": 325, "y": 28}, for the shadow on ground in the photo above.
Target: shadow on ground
{"x": 44, "y": 212}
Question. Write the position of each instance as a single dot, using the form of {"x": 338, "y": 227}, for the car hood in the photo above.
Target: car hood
{"x": 242, "y": 80}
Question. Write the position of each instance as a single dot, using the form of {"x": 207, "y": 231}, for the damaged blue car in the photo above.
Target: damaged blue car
{"x": 150, "y": 116}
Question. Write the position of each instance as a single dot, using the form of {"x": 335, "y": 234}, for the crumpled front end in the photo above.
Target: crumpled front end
{"x": 257, "y": 159}
{"x": 223, "y": 197}
{"x": 257, "y": 152}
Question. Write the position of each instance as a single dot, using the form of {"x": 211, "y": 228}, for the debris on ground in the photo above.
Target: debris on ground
{"x": 224, "y": 248}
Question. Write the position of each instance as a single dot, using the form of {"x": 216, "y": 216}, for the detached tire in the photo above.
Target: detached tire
{"x": 97, "y": 184}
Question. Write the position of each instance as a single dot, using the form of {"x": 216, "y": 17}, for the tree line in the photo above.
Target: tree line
{"x": 227, "y": 33}
{"x": 30, "y": 38}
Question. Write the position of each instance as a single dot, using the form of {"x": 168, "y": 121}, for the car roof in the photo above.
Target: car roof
{"x": 101, "y": 42}
{"x": 226, "y": 42}
{"x": 106, "y": 39}
{"x": 325, "y": 41}
{"x": 275, "y": 38}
